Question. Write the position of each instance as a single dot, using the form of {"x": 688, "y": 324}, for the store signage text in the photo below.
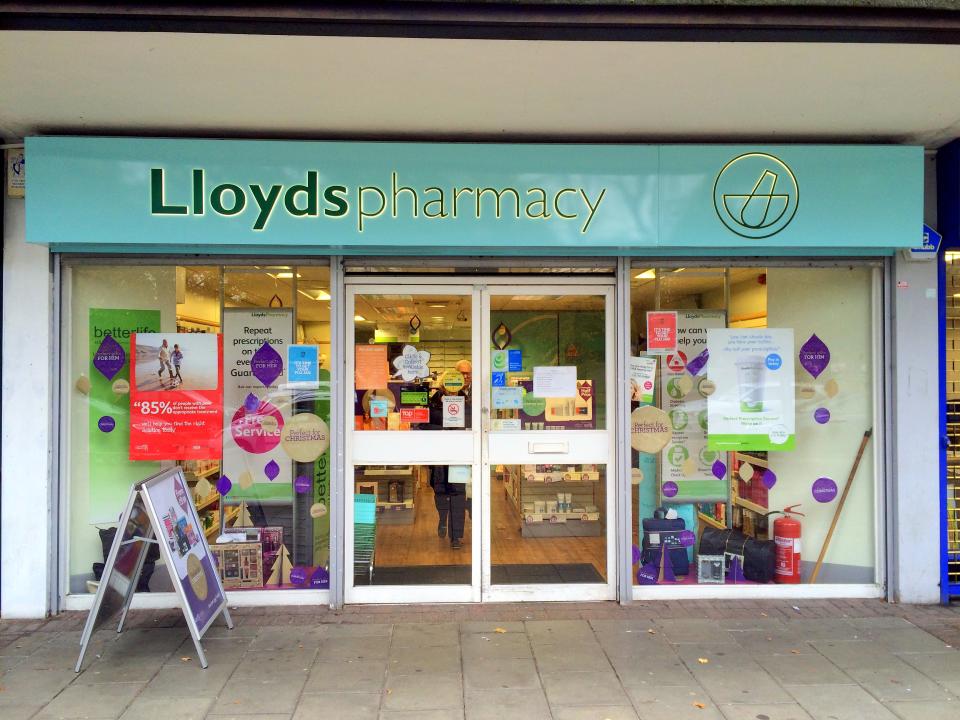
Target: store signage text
{"x": 366, "y": 202}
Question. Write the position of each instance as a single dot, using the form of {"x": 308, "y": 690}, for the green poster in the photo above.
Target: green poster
{"x": 111, "y": 471}
{"x": 321, "y": 482}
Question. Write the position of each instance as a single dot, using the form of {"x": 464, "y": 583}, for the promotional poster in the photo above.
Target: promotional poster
{"x": 176, "y": 386}
{"x": 753, "y": 405}
{"x": 182, "y": 534}
{"x": 686, "y": 463}
{"x": 256, "y": 409}
{"x": 110, "y": 331}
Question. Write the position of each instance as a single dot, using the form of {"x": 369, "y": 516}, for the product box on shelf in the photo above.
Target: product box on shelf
{"x": 240, "y": 564}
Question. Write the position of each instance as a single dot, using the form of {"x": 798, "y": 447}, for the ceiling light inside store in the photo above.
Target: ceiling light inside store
{"x": 437, "y": 305}
{"x": 317, "y": 295}
{"x": 359, "y": 318}
{"x": 286, "y": 275}
{"x": 646, "y": 275}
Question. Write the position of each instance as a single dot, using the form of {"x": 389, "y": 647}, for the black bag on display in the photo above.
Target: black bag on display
{"x": 759, "y": 556}
{"x": 659, "y": 532}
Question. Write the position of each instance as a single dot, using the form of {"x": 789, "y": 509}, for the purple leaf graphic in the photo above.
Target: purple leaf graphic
{"x": 224, "y": 485}
{"x": 251, "y": 402}
{"x": 814, "y": 356}
{"x": 769, "y": 479}
{"x": 719, "y": 470}
{"x": 696, "y": 366}
{"x": 636, "y": 554}
{"x": 266, "y": 365}
{"x": 271, "y": 470}
{"x": 109, "y": 357}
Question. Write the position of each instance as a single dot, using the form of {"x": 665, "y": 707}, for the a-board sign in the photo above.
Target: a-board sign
{"x": 160, "y": 510}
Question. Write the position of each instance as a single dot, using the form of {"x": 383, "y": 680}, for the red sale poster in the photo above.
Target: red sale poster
{"x": 661, "y": 332}
{"x": 176, "y": 396}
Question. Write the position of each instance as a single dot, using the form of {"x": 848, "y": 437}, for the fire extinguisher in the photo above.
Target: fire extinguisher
{"x": 786, "y": 537}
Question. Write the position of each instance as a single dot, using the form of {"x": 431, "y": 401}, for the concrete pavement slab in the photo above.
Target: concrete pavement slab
{"x": 501, "y": 674}
{"x": 803, "y": 670}
{"x": 343, "y": 706}
{"x": 354, "y": 676}
{"x": 80, "y": 700}
{"x": 183, "y": 707}
{"x": 416, "y": 692}
{"x": 583, "y": 688}
{"x": 599, "y": 712}
{"x": 673, "y": 703}
{"x": 502, "y": 704}
{"x": 926, "y": 709}
{"x": 784, "y": 711}
{"x": 570, "y": 656}
{"x": 839, "y": 702}
{"x": 252, "y": 696}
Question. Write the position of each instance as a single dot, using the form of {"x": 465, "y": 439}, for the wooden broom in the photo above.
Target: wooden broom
{"x": 843, "y": 499}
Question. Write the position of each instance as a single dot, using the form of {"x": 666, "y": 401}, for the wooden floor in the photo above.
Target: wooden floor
{"x": 418, "y": 543}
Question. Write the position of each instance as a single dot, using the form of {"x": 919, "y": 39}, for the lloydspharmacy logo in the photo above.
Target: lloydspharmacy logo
{"x": 756, "y": 195}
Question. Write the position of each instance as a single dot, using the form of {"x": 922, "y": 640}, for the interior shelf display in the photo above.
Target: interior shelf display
{"x": 394, "y": 487}
{"x": 557, "y": 500}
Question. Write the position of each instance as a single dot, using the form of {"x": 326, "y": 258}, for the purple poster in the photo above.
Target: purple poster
{"x": 814, "y": 356}
{"x": 187, "y": 554}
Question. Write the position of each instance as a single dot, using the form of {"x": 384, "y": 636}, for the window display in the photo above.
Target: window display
{"x": 753, "y": 435}
{"x": 223, "y": 371}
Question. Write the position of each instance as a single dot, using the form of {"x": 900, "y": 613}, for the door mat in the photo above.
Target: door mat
{"x": 548, "y": 573}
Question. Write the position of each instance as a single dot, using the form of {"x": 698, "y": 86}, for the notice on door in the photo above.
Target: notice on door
{"x": 454, "y": 410}
{"x": 555, "y": 381}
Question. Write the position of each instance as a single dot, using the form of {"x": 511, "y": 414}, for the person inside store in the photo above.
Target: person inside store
{"x": 450, "y": 497}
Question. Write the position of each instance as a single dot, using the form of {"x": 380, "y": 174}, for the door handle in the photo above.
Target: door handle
{"x": 536, "y": 448}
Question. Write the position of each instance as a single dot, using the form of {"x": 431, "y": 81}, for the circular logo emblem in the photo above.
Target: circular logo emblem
{"x": 756, "y": 195}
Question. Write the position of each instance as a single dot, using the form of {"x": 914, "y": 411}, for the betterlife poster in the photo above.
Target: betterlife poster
{"x": 753, "y": 405}
{"x": 255, "y": 409}
{"x": 110, "y": 330}
{"x": 176, "y": 389}
{"x": 686, "y": 473}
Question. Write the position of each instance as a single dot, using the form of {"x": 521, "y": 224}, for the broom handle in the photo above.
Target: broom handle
{"x": 843, "y": 499}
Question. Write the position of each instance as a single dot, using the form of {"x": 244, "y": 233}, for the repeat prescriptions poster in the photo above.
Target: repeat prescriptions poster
{"x": 752, "y": 407}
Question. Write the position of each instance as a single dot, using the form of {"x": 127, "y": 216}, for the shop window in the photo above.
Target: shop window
{"x": 223, "y": 371}
{"x": 752, "y": 393}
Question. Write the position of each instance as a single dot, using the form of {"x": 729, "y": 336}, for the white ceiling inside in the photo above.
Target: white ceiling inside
{"x": 250, "y": 85}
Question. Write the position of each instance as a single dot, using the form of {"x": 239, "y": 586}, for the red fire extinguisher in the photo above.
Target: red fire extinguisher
{"x": 786, "y": 537}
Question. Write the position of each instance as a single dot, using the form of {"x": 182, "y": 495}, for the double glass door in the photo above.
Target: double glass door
{"x": 480, "y": 458}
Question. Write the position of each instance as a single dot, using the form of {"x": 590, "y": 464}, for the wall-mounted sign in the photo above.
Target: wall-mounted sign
{"x": 96, "y": 193}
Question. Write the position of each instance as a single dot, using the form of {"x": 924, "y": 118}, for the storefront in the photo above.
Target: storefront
{"x": 399, "y": 372}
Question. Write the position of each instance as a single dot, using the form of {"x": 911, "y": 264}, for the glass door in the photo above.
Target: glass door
{"x": 548, "y": 419}
{"x": 480, "y": 458}
{"x": 413, "y": 451}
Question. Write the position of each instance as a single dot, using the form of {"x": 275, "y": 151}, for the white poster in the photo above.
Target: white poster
{"x": 753, "y": 405}
{"x": 454, "y": 411}
{"x": 686, "y": 465}
{"x": 555, "y": 381}
{"x": 255, "y": 410}
{"x": 643, "y": 374}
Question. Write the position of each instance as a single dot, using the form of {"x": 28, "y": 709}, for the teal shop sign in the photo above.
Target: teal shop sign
{"x": 155, "y": 195}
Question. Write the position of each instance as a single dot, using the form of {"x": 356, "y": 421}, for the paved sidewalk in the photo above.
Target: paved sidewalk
{"x": 655, "y": 661}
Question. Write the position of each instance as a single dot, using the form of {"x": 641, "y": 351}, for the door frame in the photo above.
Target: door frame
{"x": 478, "y": 288}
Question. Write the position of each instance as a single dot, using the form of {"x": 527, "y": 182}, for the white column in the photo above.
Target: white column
{"x": 914, "y": 508}
{"x": 26, "y": 547}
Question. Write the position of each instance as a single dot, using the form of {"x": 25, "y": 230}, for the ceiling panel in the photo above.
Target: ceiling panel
{"x": 250, "y": 85}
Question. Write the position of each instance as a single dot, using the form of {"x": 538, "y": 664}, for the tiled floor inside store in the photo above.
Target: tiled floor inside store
{"x": 750, "y": 660}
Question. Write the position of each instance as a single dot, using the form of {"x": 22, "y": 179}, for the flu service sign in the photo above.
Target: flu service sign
{"x": 661, "y": 332}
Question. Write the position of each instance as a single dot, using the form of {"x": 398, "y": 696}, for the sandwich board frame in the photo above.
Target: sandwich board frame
{"x": 201, "y": 594}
